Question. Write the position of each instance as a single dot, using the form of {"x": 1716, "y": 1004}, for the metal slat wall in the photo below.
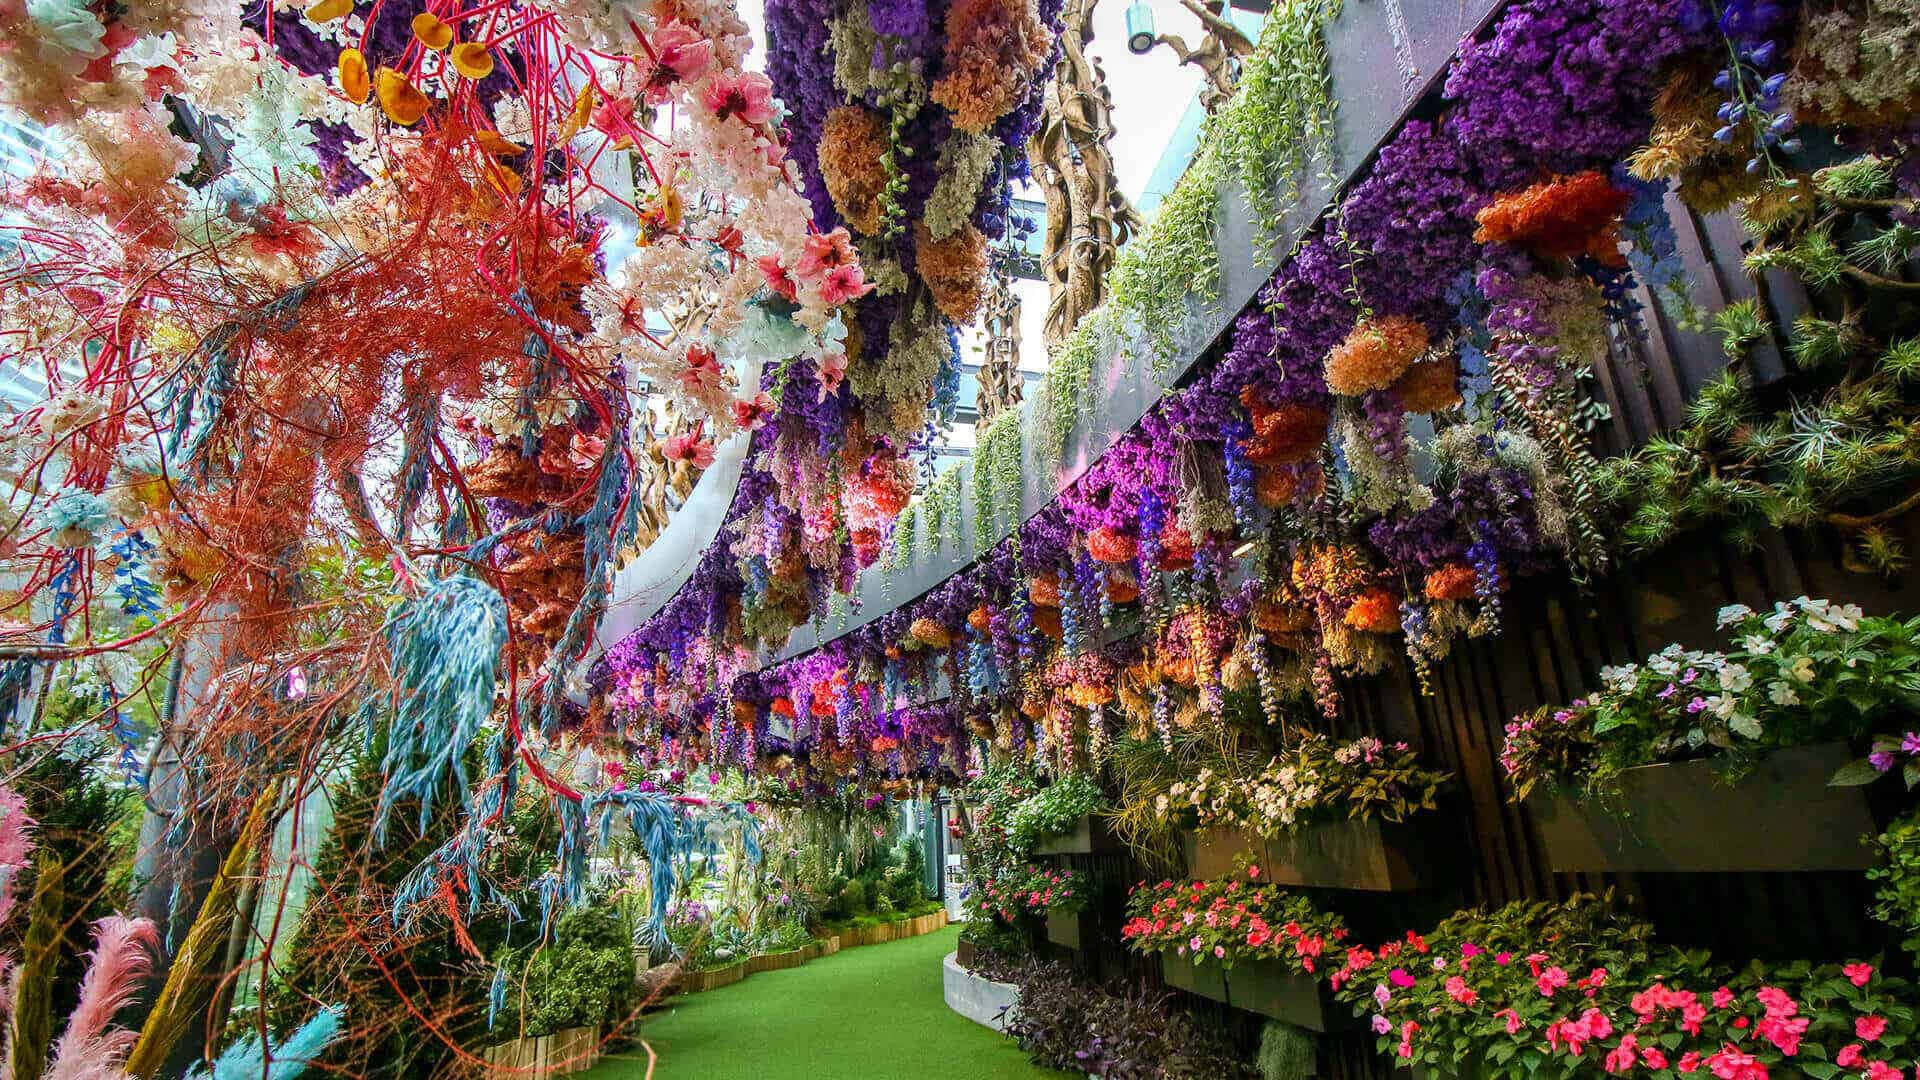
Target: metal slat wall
{"x": 1555, "y": 639}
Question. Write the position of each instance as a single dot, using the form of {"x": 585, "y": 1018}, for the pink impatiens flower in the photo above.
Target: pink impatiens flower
{"x": 1869, "y": 1028}
{"x": 1459, "y": 991}
{"x": 1513, "y": 1020}
{"x": 1550, "y": 980}
{"x": 1858, "y": 974}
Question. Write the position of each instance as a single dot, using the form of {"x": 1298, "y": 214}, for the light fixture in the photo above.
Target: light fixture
{"x": 1243, "y": 549}
{"x": 1140, "y": 34}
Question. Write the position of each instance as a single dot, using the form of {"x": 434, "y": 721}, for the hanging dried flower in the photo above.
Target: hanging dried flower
{"x": 1044, "y": 590}
{"x": 1430, "y": 386}
{"x": 471, "y": 58}
{"x": 1284, "y": 435}
{"x": 1109, "y": 545}
{"x": 954, "y": 269}
{"x": 1375, "y": 354}
{"x": 853, "y": 145}
{"x": 1453, "y": 581}
{"x": 1559, "y": 218}
{"x": 1377, "y": 611}
{"x": 929, "y": 632}
{"x": 431, "y": 32}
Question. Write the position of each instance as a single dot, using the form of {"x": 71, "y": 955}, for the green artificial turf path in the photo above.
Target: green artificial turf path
{"x": 877, "y": 1012}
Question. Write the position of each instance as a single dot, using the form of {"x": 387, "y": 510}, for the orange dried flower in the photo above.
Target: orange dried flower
{"x": 1286, "y": 435}
{"x": 1047, "y": 621}
{"x": 980, "y": 618}
{"x": 433, "y": 33}
{"x": 1044, "y": 590}
{"x": 954, "y": 268}
{"x": 1430, "y": 386}
{"x": 1562, "y": 217}
{"x": 1278, "y": 617}
{"x": 783, "y": 706}
{"x": 929, "y": 632}
{"x": 1377, "y": 611}
{"x": 1274, "y": 488}
{"x": 1122, "y": 589}
{"x": 1110, "y": 545}
{"x": 471, "y": 58}
{"x": 1176, "y": 547}
{"x": 353, "y": 76}
{"x": 1375, "y": 354}
{"x": 994, "y": 47}
{"x": 1453, "y": 581}
{"x": 853, "y": 141}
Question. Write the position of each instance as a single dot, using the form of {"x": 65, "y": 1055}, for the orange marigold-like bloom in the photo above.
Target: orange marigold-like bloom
{"x": 1562, "y": 217}
{"x": 1176, "y": 547}
{"x": 1377, "y": 611}
{"x": 1430, "y": 386}
{"x": 994, "y": 47}
{"x": 1453, "y": 581}
{"x": 1277, "y": 617}
{"x": 852, "y": 142}
{"x": 980, "y": 618}
{"x": 929, "y": 632}
{"x": 955, "y": 269}
{"x": 1286, "y": 435}
{"x": 1274, "y": 488}
{"x": 1122, "y": 589}
{"x": 1375, "y": 354}
{"x": 1047, "y": 621}
{"x": 1110, "y": 545}
{"x": 1044, "y": 590}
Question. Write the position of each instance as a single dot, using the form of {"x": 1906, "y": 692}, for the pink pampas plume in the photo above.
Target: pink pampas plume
{"x": 92, "y": 1048}
{"x": 16, "y": 845}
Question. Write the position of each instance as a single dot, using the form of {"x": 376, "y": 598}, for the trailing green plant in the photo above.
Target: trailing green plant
{"x": 1897, "y": 892}
{"x": 1287, "y": 1052}
{"x": 1054, "y": 809}
{"x": 1803, "y": 672}
{"x": 998, "y": 472}
{"x": 1280, "y": 122}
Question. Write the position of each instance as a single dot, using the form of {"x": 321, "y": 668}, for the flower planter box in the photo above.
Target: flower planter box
{"x": 1064, "y": 929}
{"x": 1271, "y": 989}
{"x": 1206, "y": 980}
{"x": 699, "y": 982}
{"x": 1682, "y": 817}
{"x": 570, "y": 1051}
{"x": 1360, "y": 854}
{"x": 1090, "y": 836}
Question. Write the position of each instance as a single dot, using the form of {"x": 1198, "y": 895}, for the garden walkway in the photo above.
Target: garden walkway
{"x": 872, "y": 1013}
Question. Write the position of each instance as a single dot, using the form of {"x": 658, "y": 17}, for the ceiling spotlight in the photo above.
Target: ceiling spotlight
{"x": 1243, "y": 549}
{"x": 1139, "y": 27}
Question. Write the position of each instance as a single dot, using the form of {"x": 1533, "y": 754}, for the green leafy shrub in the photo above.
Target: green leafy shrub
{"x": 1053, "y": 810}
{"x": 1898, "y": 894}
{"x": 582, "y": 979}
